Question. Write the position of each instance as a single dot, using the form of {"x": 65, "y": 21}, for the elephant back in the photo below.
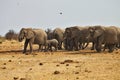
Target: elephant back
{"x": 110, "y": 35}
{"x": 40, "y": 36}
{"x": 58, "y": 34}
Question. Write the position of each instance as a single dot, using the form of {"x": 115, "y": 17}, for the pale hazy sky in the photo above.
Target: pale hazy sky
{"x": 15, "y": 14}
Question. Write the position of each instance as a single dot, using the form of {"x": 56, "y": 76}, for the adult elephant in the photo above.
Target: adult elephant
{"x": 83, "y": 33}
{"x": 118, "y": 36}
{"x": 71, "y": 36}
{"x": 104, "y": 35}
{"x": 32, "y": 36}
{"x": 58, "y": 35}
{"x": 76, "y": 36}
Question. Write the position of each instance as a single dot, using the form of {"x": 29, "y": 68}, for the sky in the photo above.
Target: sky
{"x": 16, "y": 14}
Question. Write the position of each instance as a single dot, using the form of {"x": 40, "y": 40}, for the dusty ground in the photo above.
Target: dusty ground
{"x": 61, "y": 65}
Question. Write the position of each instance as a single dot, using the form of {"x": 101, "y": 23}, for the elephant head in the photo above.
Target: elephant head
{"x": 72, "y": 32}
{"x": 96, "y": 31}
{"x": 67, "y": 33}
{"x": 26, "y": 33}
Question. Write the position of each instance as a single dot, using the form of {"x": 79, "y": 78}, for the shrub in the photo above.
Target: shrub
{"x": 11, "y": 34}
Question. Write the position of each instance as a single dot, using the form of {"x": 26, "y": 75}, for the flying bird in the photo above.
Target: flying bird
{"x": 61, "y": 13}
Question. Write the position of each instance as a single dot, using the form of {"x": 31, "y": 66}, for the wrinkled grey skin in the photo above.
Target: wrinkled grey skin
{"x": 71, "y": 37}
{"x": 49, "y": 34}
{"x": 83, "y": 33}
{"x": 104, "y": 35}
{"x": 118, "y": 36}
{"x": 58, "y": 35}
{"x": 77, "y": 37}
{"x": 68, "y": 44}
{"x": 52, "y": 43}
{"x": 32, "y": 36}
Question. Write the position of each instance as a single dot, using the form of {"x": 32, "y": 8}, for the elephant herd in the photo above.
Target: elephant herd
{"x": 72, "y": 38}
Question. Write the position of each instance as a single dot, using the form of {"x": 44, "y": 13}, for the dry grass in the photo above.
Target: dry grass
{"x": 61, "y": 65}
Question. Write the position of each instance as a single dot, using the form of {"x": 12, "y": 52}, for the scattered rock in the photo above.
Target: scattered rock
{"x": 57, "y": 72}
{"x": 117, "y": 52}
{"x": 15, "y": 78}
{"x": 68, "y": 61}
{"x": 23, "y": 79}
{"x": 87, "y": 71}
{"x": 62, "y": 63}
{"x": 67, "y": 64}
{"x": 76, "y": 72}
{"x": 4, "y": 63}
{"x": 4, "y": 68}
{"x": 30, "y": 69}
{"x": 40, "y": 63}
{"x": 77, "y": 66}
{"x": 13, "y": 56}
{"x": 77, "y": 77}
{"x": 9, "y": 60}
{"x": 57, "y": 65}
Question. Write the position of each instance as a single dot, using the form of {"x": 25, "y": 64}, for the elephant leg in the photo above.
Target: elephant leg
{"x": 98, "y": 44}
{"x": 98, "y": 47}
{"x": 93, "y": 46}
{"x": 55, "y": 47}
{"x": 106, "y": 46}
{"x": 76, "y": 45}
{"x": 66, "y": 44}
{"x": 25, "y": 45}
{"x": 60, "y": 46}
{"x": 80, "y": 45}
{"x": 31, "y": 48}
{"x": 39, "y": 48}
{"x": 45, "y": 47}
{"x": 51, "y": 48}
{"x": 111, "y": 48}
{"x": 72, "y": 45}
{"x": 85, "y": 45}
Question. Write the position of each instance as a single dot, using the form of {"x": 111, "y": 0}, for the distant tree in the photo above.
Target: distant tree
{"x": 11, "y": 34}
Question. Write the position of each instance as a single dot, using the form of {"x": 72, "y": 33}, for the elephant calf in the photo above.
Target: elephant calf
{"x": 52, "y": 43}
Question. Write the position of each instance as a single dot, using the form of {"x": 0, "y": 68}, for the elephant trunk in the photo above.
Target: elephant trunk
{"x": 20, "y": 38}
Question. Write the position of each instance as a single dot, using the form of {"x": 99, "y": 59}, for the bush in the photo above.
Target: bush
{"x": 11, "y": 35}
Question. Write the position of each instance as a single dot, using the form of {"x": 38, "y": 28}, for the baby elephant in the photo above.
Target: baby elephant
{"x": 52, "y": 43}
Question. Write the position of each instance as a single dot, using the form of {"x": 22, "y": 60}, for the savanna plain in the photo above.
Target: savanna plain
{"x": 60, "y": 65}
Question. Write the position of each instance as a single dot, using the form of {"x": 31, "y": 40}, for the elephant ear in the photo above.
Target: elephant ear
{"x": 29, "y": 34}
{"x": 74, "y": 32}
{"x": 68, "y": 32}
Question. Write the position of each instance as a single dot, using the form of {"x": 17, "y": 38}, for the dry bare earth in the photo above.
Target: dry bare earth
{"x": 61, "y": 65}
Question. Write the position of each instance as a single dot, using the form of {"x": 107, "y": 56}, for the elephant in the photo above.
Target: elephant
{"x": 104, "y": 35}
{"x": 52, "y": 43}
{"x": 118, "y": 36}
{"x": 68, "y": 44}
{"x": 83, "y": 33}
{"x": 71, "y": 36}
{"x": 77, "y": 37}
{"x": 58, "y": 35}
{"x": 49, "y": 34}
{"x": 32, "y": 36}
